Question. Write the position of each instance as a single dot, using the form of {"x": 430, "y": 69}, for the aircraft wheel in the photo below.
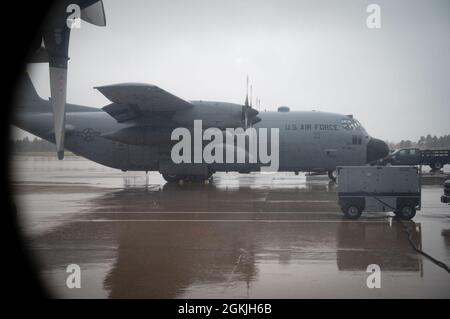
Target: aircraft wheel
{"x": 172, "y": 178}
{"x": 196, "y": 178}
{"x": 175, "y": 178}
{"x": 406, "y": 212}
{"x": 352, "y": 211}
{"x": 332, "y": 174}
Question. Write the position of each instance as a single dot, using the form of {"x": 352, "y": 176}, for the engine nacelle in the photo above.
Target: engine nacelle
{"x": 215, "y": 114}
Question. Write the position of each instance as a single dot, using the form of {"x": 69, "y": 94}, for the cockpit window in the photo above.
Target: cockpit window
{"x": 350, "y": 124}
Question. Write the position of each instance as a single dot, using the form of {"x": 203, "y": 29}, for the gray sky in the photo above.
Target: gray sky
{"x": 305, "y": 54}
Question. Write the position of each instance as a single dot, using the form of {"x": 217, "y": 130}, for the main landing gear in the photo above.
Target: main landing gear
{"x": 176, "y": 178}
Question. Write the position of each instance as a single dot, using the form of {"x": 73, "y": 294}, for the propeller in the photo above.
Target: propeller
{"x": 248, "y": 113}
{"x": 53, "y": 49}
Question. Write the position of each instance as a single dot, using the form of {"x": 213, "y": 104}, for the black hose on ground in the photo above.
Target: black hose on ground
{"x": 417, "y": 249}
{"x": 413, "y": 244}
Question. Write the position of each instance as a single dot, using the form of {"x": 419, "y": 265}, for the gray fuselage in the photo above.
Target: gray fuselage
{"x": 308, "y": 140}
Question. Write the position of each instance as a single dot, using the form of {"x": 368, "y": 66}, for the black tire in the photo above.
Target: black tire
{"x": 332, "y": 174}
{"x": 197, "y": 178}
{"x": 172, "y": 178}
{"x": 194, "y": 178}
{"x": 406, "y": 212}
{"x": 352, "y": 211}
{"x": 436, "y": 166}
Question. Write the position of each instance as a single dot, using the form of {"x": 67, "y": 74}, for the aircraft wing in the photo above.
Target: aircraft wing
{"x": 136, "y": 100}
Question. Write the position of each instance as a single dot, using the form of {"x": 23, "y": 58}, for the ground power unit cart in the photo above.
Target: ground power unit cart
{"x": 394, "y": 189}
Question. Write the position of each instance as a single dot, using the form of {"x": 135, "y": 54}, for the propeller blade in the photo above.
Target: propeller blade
{"x": 249, "y": 117}
{"x": 246, "y": 94}
{"x": 246, "y": 119}
{"x": 94, "y": 14}
{"x": 58, "y": 90}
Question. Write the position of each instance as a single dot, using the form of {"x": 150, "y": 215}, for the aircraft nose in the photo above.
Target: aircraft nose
{"x": 376, "y": 149}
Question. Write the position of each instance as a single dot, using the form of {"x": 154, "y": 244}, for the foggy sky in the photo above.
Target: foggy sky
{"x": 304, "y": 54}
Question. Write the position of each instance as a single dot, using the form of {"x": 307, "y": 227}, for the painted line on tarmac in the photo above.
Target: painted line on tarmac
{"x": 225, "y": 221}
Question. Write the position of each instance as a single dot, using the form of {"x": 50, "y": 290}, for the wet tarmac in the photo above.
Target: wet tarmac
{"x": 240, "y": 236}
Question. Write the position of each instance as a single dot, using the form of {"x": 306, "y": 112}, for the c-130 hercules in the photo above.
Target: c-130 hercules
{"x": 133, "y": 133}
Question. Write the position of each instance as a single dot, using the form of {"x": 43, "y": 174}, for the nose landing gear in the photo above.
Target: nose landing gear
{"x": 332, "y": 174}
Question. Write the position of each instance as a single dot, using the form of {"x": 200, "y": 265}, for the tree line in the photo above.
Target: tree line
{"x": 424, "y": 142}
{"x": 32, "y": 145}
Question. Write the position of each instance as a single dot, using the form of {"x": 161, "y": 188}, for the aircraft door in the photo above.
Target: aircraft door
{"x": 353, "y": 150}
{"x": 294, "y": 150}
{"x": 329, "y": 154}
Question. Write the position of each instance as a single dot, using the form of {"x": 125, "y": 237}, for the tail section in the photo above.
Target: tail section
{"x": 34, "y": 114}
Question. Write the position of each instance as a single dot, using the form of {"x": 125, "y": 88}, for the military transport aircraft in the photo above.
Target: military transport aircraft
{"x": 134, "y": 132}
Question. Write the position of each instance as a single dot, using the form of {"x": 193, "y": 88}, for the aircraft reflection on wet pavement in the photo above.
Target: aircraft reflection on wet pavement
{"x": 211, "y": 241}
